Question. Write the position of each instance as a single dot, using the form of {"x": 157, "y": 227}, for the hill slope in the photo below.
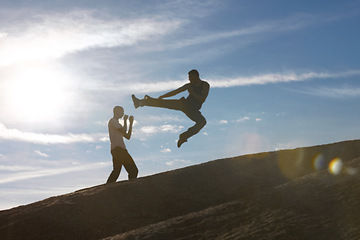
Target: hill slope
{"x": 275, "y": 195}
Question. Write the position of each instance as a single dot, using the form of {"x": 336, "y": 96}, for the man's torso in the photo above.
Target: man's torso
{"x": 191, "y": 100}
{"x": 116, "y": 137}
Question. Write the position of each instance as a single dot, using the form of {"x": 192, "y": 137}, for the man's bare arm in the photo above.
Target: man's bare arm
{"x": 176, "y": 91}
{"x": 131, "y": 120}
{"x": 123, "y": 130}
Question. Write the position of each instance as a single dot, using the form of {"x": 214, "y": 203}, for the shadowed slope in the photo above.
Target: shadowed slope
{"x": 316, "y": 206}
{"x": 229, "y": 194}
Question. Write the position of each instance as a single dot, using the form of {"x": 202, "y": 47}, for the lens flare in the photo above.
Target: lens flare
{"x": 292, "y": 163}
{"x": 336, "y": 166}
{"x": 319, "y": 162}
{"x": 352, "y": 171}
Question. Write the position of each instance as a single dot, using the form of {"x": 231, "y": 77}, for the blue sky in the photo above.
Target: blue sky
{"x": 283, "y": 74}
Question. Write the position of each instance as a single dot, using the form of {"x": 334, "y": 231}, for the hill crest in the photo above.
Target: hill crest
{"x": 270, "y": 195}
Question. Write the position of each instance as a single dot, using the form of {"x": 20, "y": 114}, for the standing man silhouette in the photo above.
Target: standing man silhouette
{"x": 120, "y": 155}
{"x": 198, "y": 92}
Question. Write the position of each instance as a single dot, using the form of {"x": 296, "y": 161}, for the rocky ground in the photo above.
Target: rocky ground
{"x": 304, "y": 193}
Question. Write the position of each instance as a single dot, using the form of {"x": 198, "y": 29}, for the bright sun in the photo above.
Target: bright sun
{"x": 39, "y": 93}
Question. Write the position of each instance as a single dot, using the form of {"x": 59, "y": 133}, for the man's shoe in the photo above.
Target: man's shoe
{"x": 136, "y": 101}
{"x": 181, "y": 140}
{"x": 147, "y": 97}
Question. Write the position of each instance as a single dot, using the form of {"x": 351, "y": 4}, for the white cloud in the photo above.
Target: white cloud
{"x": 16, "y": 168}
{"x": 46, "y": 172}
{"x": 177, "y": 162}
{"x": 171, "y": 128}
{"x": 103, "y": 123}
{"x": 53, "y": 36}
{"x": 242, "y": 119}
{"x": 165, "y": 150}
{"x": 162, "y": 128}
{"x": 153, "y": 87}
{"x": 273, "y": 78}
{"x": 149, "y": 129}
{"x": 223, "y": 122}
{"x": 270, "y": 78}
{"x": 41, "y": 153}
{"x": 39, "y": 138}
{"x": 291, "y": 23}
{"x": 3, "y": 34}
{"x": 340, "y": 92}
{"x": 164, "y": 118}
{"x": 258, "y": 119}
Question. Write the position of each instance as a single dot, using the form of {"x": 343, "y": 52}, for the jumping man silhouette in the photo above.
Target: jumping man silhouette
{"x": 198, "y": 92}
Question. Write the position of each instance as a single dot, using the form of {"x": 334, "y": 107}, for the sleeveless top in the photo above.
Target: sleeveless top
{"x": 191, "y": 100}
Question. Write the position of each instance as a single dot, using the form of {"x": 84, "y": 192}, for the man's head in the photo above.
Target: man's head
{"x": 118, "y": 112}
{"x": 194, "y": 76}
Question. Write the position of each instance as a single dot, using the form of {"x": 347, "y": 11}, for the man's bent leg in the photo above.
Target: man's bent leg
{"x": 200, "y": 122}
{"x": 116, "y": 166}
{"x": 130, "y": 166}
{"x": 196, "y": 128}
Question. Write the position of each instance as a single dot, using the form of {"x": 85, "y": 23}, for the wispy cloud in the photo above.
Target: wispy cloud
{"x": 163, "y": 118}
{"x": 163, "y": 128}
{"x": 238, "y": 120}
{"x": 165, "y": 150}
{"x": 53, "y": 36}
{"x": 273, "y": 78}
{"x": 331, "y": 92}
{"x": 177, "y": 162}
{"x": 270, "y": 26}
{"x": 45, "y": 172}
{"x": 3, "y": 34}
{"x": 41, "y": 153}
{"x": 39, "y": 138}
{"x": 16, "y": 168}
{"x": 263, "y": 79}
{"x": 242, "y": 119}
{"x": 153, "y": 87}
{"x": 246, "y": 33}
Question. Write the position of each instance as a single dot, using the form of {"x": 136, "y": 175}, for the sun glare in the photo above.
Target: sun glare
{"x": 37, "y": 93}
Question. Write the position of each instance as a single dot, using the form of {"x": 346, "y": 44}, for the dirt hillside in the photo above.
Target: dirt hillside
{"x": 288, "y": 194}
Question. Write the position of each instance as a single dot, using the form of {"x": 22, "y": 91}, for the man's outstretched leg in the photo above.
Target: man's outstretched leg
{"x": 174, "y": 104}
{"x": 178, "y": 104}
